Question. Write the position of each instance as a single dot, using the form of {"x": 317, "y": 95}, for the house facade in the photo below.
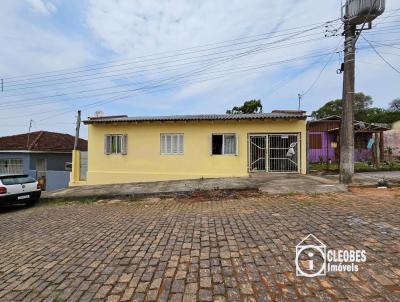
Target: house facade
{"x": 392, "y": 141}
{"x": 324, "y": 140}
{"x": 46, "y": 156}
{"x": 125, "y": 149}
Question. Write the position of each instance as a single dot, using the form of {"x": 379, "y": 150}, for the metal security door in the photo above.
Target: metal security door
{"x": 283, "y": 153}
{"x": 258, "y": 153}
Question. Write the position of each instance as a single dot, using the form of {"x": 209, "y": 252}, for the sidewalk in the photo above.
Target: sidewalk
{"x": 269, "y": 183}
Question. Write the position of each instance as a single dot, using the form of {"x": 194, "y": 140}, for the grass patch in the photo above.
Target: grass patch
{"x": 358, "y": 167}
{"x": 309, "y": 202}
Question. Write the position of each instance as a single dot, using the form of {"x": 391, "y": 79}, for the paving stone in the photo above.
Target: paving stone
{"x": 205, "y": 295}
{"x": 239, "y": 249}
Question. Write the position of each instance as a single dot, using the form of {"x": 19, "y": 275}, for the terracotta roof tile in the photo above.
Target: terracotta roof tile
{"x": 41, "y": 141}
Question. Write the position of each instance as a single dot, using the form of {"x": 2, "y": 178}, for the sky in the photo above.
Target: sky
{"x": 165, "y": 57}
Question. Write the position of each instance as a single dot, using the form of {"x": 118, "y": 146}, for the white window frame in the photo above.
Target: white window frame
{"x": 223, "y": 144}
{"x": 108, "y": 144}
{"x": 12, "y": 164}
{"x": 179, "y": 138}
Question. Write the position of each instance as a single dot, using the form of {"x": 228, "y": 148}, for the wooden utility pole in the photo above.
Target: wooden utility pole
{"x": 78, "y": 125}
{"x": 347, "y": 122}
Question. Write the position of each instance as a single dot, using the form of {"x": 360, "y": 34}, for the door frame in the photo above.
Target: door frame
{"x": 267, "y": 134}
{"x": 266, "y": 164}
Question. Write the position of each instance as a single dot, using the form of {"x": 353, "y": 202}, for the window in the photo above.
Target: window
{"x": 315, "y": 140}
{"x": 116, "y": 144}
{"x": 17, "y": 179}
{"x": 171, "y": 143}
{"x": 11, "y": 166}
{"x": 361, "y": 140}
{"x": 224, "y": 144}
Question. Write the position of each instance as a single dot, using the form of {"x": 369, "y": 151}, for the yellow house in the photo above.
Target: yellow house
{"x": 125, "y": 149}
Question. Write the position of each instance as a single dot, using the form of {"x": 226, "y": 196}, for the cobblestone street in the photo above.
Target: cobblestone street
{"x": 240, "y": 248}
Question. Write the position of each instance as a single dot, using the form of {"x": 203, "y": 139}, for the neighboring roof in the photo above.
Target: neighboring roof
{"x": 41, "y": 141}
{"x": 359, "y": 126}
{"x": 326, "y": 119}
{"x": 203, "y": 117}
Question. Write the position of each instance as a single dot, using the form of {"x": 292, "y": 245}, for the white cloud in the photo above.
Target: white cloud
{"x": 132, "y": 28}
{"x": 42, "y": 6}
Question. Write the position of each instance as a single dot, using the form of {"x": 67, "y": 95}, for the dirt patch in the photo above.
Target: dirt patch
{"x": 390, "y": 192}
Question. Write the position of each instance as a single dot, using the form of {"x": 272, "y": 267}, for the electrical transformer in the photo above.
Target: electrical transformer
{"x": 360, "y": 11}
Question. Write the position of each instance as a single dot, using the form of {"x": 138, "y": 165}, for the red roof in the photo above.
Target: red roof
{"x": 41, "y": 141}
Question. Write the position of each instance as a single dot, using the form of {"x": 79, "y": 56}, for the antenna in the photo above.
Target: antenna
{"x": 29, "y": 134}
{"x": 300, "y": 97}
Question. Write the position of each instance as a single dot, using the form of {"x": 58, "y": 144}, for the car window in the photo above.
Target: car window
{"x": 18, "y": 179}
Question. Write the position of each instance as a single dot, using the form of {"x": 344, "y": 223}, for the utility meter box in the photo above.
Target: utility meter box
{"x": 359, "y": 11}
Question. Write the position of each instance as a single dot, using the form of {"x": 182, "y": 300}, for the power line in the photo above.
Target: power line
{"x": 91, "y": 78}
{"x": 258, "y": 49}
{"x": 273, "y": 63}
{"x": 383, "y": 58}
{"x": 355, "y": 39}
{"x": 224, "y": 73}
{"x": 35, "y": 75}
{"x": 158, "y": 63}
{"x": 321, "y": 72}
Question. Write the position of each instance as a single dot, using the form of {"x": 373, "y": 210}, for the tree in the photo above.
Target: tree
{"x": 362, "y": 110}
{"x": 395, "y": 105}
{"x": 362, "y": 104}
{"x": 252, "y": 106}
{"x": 331, "y": 108}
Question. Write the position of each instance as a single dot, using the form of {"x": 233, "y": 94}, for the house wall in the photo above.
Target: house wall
{"x": 325, "y": 153}
{"x": 18, "y": 155}
{"x": 391, "y": 139}
{"x": 57, "y": 180}
{"x": 144, "y": 162}
{"x": 56, "y": 176}
{"x": 54, "y": 161}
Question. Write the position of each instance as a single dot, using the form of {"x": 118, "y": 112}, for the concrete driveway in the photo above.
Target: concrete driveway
{"x": 237, "y": 249}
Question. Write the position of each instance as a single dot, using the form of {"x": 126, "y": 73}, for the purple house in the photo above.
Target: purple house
{"x": 323, "y": 140}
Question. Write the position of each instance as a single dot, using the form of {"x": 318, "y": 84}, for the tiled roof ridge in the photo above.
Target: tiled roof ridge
{"x": 35, "y": 141}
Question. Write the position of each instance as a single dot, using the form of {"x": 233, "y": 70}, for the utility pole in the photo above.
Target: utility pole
{"x": 78, "y": 125}
{"x": 347, "y": 121}
{"x": 354, "y": 13}
{"x": 300, "y": 97}
{"x": 29, "y": 134}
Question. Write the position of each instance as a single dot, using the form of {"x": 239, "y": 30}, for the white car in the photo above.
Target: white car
{"x": 18, "y": 188}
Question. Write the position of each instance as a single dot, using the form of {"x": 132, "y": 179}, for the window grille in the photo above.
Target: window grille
{"x": 11, "y": 166}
